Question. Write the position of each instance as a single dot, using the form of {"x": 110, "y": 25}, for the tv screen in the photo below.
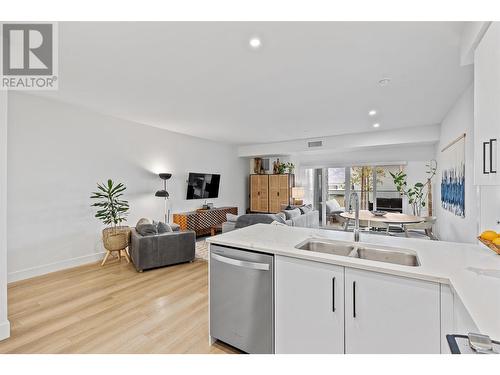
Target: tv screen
{"x": 203, "y": 186}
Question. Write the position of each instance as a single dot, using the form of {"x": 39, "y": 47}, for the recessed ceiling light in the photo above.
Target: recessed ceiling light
{"x": 384, "y": 82}
{"x": 376, "y": 125}
{"x": 372, "y": 112}
{"x": 255, "y": 43}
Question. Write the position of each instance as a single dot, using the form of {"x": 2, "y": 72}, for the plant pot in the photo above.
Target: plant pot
{"x": 116, "y": 238}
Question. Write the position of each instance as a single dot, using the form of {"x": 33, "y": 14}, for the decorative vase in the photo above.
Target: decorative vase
{"x": 116, "y": 238}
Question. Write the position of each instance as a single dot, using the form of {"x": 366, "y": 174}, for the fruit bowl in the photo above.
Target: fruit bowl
{"x": 490, "y": 244}
{"x": 378, "y": 213}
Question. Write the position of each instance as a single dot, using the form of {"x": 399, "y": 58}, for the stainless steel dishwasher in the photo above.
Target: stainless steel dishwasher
{"x": 242, "y": 299}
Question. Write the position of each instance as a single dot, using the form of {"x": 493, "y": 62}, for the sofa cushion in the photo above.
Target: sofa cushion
{"x": 147, "y": 229}
{"x": 299, "y": 221}
{"x": 306, "y": 208}
{"x": 251, "y": 219}
{"x": 143, "y": 221}
{"x": 231, "y": 217}
{"x": 290, "y": 214}
{"x": 282, "y": 215}
{"x": 175, "y": 227}
{"x": 163, "y": 227}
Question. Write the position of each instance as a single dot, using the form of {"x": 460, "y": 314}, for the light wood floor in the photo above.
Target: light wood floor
{"x": 112, "y": 309}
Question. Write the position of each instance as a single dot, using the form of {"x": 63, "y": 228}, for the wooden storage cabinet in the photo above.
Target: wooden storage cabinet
{"x": 487, "y": 108}
{"x": 279, "y": 191}
{"x": 269, "y": 192}
{"x": 201, "y": 221}
{"x": 309, "y": 307}
{"x": 259, "y": 193}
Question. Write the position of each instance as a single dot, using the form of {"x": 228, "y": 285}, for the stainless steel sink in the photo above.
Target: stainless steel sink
{"x": 403, "y": 257}
{"x": 380, "y": 254}
{"x": 328, "y": 247}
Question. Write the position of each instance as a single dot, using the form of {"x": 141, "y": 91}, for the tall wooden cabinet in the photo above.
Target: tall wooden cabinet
{"x": 269, "y": 192}
{"x": 259, "y": 193}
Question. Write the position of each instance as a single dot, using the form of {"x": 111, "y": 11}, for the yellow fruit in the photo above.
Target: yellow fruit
{"x": 489, "y": 235}
{"x": 496, "y": 241}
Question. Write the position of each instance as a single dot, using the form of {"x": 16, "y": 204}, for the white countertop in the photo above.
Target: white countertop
{"x": 473, "y": 271}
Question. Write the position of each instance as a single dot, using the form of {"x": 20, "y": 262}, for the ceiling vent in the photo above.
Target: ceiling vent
{"x": 311, "y": 144}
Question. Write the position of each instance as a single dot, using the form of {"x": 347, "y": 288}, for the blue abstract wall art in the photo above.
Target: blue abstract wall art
{"x": 453, "y": 178}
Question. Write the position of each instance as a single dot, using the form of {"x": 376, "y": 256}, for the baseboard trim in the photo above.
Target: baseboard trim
{"x": 43, "y": 269}
{"x": 4, "y": 330}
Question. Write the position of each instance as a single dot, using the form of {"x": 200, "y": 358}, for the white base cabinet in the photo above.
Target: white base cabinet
{"x": 324, "y": 308}
{"x": 390, "y": 314}
{"x": 309, "y": 307}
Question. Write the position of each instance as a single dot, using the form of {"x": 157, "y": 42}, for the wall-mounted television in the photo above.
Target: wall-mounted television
{"x": 203, "y": 186}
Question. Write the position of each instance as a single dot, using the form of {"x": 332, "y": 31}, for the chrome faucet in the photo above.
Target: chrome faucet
{"x": 356, "y": 214}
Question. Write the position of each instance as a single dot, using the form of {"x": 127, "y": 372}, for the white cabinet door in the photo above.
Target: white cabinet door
{"x": 309, "y": 307}
{"x": 390, "y": 314}
{"x": 487, "y": 108}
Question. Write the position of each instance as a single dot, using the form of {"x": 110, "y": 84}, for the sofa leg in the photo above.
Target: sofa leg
{"x": 140, "y": 271}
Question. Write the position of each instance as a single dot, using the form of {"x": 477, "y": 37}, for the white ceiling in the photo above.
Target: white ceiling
{"x": 308, "y": 79}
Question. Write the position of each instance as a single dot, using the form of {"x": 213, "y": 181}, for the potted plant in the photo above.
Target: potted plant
{"x": 290, "y": 167}
{"x": 418, "y": 193}
{"x": 112, "y": 211}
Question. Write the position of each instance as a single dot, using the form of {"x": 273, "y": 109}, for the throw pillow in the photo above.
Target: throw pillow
{"x": 290, "y": 214}
{"x": 278, "y": 218}
{"x": 175, "y": 227}
{"x": 231, "y": 218}
{"x": 306, "y": 208}
{"x": 146, "y": 229}
{"x": 164, "y": 227}
{"x": 281, "y": 215}
{"x": 143, "y": 221}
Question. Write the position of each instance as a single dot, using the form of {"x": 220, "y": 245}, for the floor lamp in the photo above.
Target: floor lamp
{"x": 164, "y": 193}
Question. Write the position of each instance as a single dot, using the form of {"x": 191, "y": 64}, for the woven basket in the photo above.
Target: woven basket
{"x": 116, "y": 238}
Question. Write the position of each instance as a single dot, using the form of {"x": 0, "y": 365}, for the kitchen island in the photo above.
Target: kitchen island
{"x": 454, "y": 288}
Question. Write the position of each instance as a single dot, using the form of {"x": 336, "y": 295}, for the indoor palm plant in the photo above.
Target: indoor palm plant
{"x": 112, "y": 211}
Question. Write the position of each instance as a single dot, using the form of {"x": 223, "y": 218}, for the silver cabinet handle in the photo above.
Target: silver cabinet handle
{"x": 241, "y": 263}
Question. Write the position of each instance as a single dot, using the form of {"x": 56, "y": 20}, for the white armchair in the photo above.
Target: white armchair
{"x": 423, "y": 228}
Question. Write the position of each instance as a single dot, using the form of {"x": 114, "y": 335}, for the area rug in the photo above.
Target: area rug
{"x": 201, "y": 250}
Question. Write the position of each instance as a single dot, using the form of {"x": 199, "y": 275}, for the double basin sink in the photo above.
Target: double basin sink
{"x": 361, "y": 251}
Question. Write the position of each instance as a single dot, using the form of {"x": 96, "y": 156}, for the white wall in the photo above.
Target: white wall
{"x": 4, "y": 323}
{"x": 58, "y": 152}
{"x": 460, "y": 119}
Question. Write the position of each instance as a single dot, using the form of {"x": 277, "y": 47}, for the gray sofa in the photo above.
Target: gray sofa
{"x": 306, "y": 220}
{"x": 160, "y": 250}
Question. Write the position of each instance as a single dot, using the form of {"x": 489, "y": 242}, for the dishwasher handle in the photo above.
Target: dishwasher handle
{"x": 241, "y": 263}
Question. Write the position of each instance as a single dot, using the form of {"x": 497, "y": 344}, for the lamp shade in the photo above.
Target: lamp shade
{"x": 298, "y": 192}
{"x": 161, "y": 193}
{"x": 165, "y": 176}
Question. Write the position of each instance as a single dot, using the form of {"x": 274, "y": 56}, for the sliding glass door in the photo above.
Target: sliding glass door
{"x": 329, "y": 189}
